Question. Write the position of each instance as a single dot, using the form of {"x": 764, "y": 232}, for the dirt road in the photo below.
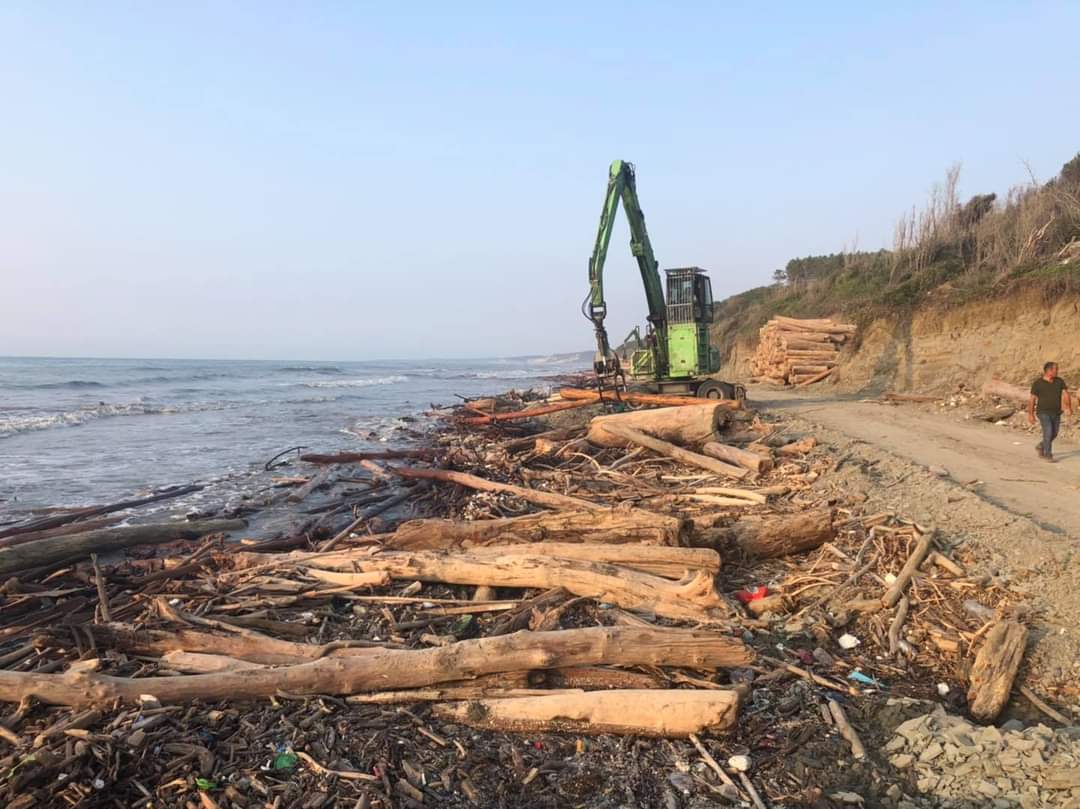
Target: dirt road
{"x": 1012, "y": 476}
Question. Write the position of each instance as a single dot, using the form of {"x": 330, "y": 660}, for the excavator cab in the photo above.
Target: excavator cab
{"x": 689, "y": 313}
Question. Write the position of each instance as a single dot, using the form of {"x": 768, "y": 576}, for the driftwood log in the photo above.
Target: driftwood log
{"x": 396, "y": 669}
{"x": 659, "y": 560}
{"x": 540, "y": 498}
{"x": 658, "y": 400}
{"x": 740, "y": 457}
{"x": 72, "y": 546}
{"x": 634, "y": 436}
{"x": 252, "y": 647}
{"x": 693, "y": 598}
{"x": 995, "y": 669}
{"x": 617, "y": 526}
{"x": 667, "y": 714}
{"x": 763, "y": 537}
{"x": 688, "y": 426}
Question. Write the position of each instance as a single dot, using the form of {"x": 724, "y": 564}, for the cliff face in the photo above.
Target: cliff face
{"x": 935, "y": 348}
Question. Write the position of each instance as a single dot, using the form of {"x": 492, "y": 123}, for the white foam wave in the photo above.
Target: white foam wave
{"x": 357, "y": 383}
{"x": 13, "y": 425}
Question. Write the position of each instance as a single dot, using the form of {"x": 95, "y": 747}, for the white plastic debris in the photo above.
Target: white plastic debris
{"x": 848, "y": 641}
{"x": 889, "y": 578}
{"x": 943, "y": 689}
{"x": 739, "y": 763}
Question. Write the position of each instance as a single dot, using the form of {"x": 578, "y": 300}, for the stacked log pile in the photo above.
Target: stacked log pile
{"x": 596, "y": 579}
{"x": 799, "y": 352}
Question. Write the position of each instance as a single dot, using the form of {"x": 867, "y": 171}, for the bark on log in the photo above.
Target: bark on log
{"x": 321, "y": 478}
{"x": 815, "y": 378}
{"x": 678, "y": 453}
{"x": 995, "y": 669}
{"x": 55, "y": 520}
{"x": 765, "y": 537}
{"x": 822, "y": 326}
{"x": 672, "y": 714}
{"x": 918, "y": 556}
{"x": 693, "y": 598}
{"x": 394, "y": 669}
{"x": 666, "y": 562}
{"x": 656, "y": 399}
{"x": 72, "y": 546}
{"x": 618, "y": 526}
{"x": 250, "y": 647}
{"x": 516, "y": 415}
{"x": 689, "y": 426}
{"x": 59, "y": 531}
{"x": 740, "y": 457}
{"x": 540, "y": 498}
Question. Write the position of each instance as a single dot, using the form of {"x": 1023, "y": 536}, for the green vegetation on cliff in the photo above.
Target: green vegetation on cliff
{"x": 948, "y": 253}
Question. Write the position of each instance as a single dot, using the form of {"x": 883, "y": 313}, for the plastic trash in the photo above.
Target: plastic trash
{"x": 847, "y": 641}
{"x": 752, "y": 594}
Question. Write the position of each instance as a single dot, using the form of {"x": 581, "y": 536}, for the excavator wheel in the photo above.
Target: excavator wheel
{"x": 713, "y": 389}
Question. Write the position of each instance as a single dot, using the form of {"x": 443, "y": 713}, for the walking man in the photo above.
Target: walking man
{"x": 1049, "y": 396}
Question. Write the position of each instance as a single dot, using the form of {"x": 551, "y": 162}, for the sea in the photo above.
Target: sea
{"x": 79, "y": 432}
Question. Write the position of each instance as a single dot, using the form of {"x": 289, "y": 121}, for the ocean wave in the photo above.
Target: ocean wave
{"x": 13, "y": 425}
{"x": 358, "y": 383}
{"x": 310, "y": 369}
{"x": 70, "y": 384}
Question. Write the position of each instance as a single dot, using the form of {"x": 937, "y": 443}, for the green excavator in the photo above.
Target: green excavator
{"x": 675, "y": 355}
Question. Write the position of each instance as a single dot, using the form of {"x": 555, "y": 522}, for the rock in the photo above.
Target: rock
{"x": 932, "y": 751}
{"x": 913, "y": 728}
{"x": 940, "y": 471}
{"x": 902, "y": 761}
{"x": 894, "y": 792}
{"x": 682, "y": 782}
{"x": 986, "y": 788}
{"x": 1062, "y": 779}
{"x": 895, "y": 743}
{"x": 739, "y": 763}
{"x": 1012, "y": 724}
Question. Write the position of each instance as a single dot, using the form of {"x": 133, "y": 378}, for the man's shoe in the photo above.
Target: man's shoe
{"x": 1038, "y": 450}
{"x": 1049, "y": 458}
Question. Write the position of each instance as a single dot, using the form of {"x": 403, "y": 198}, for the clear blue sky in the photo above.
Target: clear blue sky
{"x": 354, "y": 181}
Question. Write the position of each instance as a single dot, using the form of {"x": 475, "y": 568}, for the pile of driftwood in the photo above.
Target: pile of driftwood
{"x": 798, "y": 352}
{"x": 622, "y": 574}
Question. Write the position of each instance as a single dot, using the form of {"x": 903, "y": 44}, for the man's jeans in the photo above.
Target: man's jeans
{"x": 1051, "y": 423}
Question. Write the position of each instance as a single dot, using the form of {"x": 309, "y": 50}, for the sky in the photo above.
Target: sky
{"x": 379, "y": 181}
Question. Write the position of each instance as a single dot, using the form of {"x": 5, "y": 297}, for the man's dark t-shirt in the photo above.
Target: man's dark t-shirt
{"x": 1047, "y": 394}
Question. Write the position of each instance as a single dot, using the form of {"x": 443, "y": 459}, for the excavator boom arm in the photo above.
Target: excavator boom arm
{"x": 622, "y": 186}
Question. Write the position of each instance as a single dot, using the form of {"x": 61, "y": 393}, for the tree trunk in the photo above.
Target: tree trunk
{"x": 995, "y": 669}
{"x": 618, "y": 526}
{"x": 693, "y": 598}
{"x": 740, "y": 457}
{"x": 659, "y": 400}
{"x": 74, "y": 546}
{"x": 810, "y": 380}
{"x": 690, "y": 426}
{"x": 678, "y": 453}
{"x": 663, "y": 561}
{"x": 672, "y": 714}
{"x": 821, "y": 325}
{"x": 766, "y": 537}
{"x": 250, "y": 647}
{"x": 540, "y": 498}
{"x": 394, "y": 669}
{"x": 542, "y": 410}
